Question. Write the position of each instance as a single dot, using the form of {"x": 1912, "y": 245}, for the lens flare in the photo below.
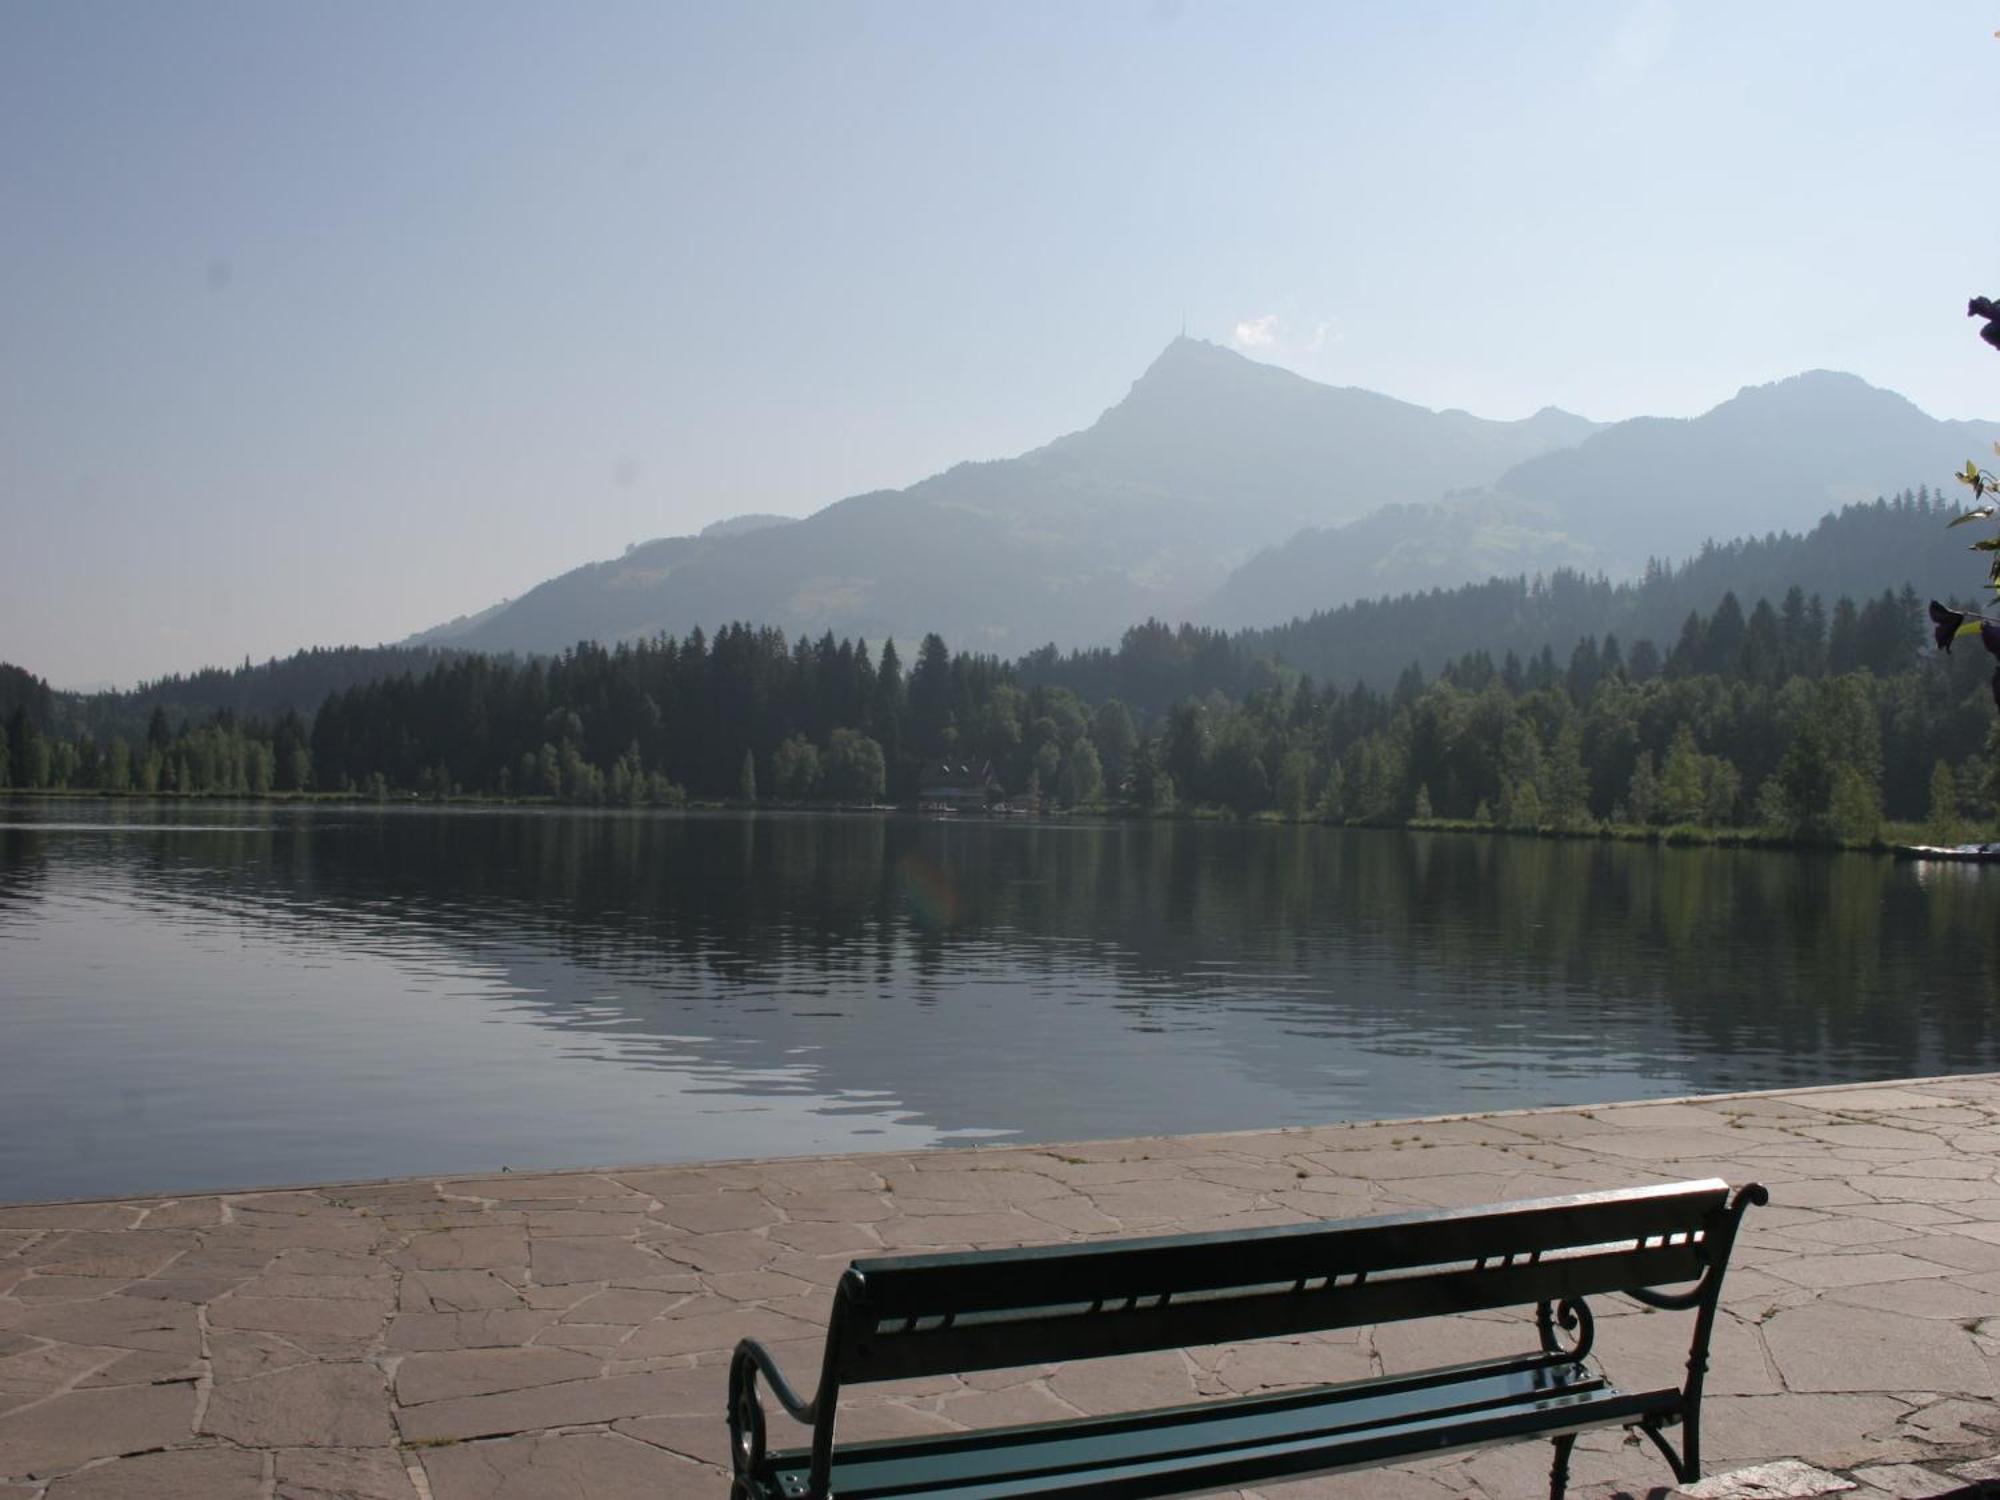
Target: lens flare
{"x": 929, "y": 892}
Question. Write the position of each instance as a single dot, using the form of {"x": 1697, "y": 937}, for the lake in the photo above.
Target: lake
{"x": 214, "y": 995}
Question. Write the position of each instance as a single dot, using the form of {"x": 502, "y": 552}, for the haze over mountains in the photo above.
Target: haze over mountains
{"x": 1238, "y": 494}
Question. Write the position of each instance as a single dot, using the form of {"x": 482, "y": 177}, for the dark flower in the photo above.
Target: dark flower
{"x": 1945, "y": 624}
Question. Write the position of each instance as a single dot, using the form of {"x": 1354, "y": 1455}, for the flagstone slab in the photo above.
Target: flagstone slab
{"x": 38, "y": 1216}
{"x": 342, "y": 1474}
{"x": 1787, "y": 1479}
{"x": 1949, "y": 1298}
{"x": 66, "y": 1430}
{"x": 547, "y": 1186}
{"x": 707, "y": 1213}
{"x": 341, "y": 1317}
{"x": 310, "y": 1405}
{"x": 603, "y": 1466}
{"x": 496, "y": 1328}
{"x": 1826, "y": 1272}
{"x": 189, "y": 1474}
{"x": 1740, "y": 1429}
{"x": 1902, "y": 1481}
{"x": 559, "y": 1221}
{"x": 469, "y": 1248}
{"x": 568, "y": 1404}
{"x": 1955, "y": 1422}
{"x": 33, "y": 1287}
{"x": 448, "y": 1374}
{"x": 47, "y": 1368}
{"x": 593, "y": 1258}
{"x": 118, "y": 1322}
{"x": 1827, "y": 1347}
{"x": 456, "y": 1291}
{"x": 183, "y": 1213}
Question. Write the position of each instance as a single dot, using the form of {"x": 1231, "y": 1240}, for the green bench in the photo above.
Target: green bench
{"x": 911, "y": 1316}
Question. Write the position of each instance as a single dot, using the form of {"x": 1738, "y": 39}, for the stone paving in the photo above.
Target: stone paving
{"x": 566, "y": 1334}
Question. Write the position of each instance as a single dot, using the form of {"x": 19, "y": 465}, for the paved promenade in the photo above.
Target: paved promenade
{"x": 519, "y": 1337}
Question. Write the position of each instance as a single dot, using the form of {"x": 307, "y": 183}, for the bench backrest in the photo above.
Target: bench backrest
{"x": 934, "y": 1314}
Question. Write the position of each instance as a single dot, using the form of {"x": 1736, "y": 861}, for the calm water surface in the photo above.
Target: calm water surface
{"x": 219, "y": 995}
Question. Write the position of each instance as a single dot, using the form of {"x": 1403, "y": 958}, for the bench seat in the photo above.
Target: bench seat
{"x": 1227, "y": 1443}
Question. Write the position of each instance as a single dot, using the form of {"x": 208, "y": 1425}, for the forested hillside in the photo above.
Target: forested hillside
{"x": 298, "y": 683}
{"x": 1858, "y": 552}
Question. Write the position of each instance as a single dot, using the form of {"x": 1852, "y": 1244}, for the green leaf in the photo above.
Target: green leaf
{"x": 1969, "y": 627}
{"x": 1984, "y": 513}
{"x": 1986, "y": 544}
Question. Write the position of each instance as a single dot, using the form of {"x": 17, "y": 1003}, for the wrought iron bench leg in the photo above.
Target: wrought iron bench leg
{"x": 1559, "y": 1470}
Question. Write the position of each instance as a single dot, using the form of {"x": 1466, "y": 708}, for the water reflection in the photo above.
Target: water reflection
{"x": 267, "y": 994}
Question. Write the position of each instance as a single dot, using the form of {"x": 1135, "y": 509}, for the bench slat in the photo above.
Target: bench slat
{"x": 977, "y": 1281}
{"x": 1259, "y": 1439}
{"x": 1075, "y": 1331}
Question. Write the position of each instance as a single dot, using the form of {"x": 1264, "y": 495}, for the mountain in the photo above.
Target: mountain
{"x": 1209, "y": 457}
{"x": 1772, "y": 456}
{"x": 1395, "y": 550}
{"x": 1775, "y": 455}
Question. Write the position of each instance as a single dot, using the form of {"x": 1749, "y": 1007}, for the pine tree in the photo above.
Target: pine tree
{"x": 1642, "y": 795}
{"x": 1943, "y": 826}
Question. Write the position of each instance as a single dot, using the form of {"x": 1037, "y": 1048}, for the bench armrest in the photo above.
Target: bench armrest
{"x": 1705, "y": 1298}
{"x": 748, "y": 1353}
{"x": 746, "y": 1411}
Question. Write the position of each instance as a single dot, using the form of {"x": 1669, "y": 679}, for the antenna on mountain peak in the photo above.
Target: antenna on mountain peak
{"x": 1183, "y": 325}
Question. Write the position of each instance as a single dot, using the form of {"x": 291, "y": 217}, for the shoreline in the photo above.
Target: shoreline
{"x": 1893, "y": 837}
{"x": 989, "y": 1148}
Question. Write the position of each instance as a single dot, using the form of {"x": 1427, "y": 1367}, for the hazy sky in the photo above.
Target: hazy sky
{"x": 326, "y": 323}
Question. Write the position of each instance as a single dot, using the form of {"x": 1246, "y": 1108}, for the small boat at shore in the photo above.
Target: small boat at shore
{"x": 1956, "y": 853}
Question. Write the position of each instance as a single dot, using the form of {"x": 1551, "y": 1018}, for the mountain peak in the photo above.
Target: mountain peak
{"x": 1822, "y": 395}
{"x": 1185, "y": 357}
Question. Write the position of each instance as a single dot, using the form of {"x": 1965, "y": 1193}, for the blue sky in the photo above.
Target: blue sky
{"x": 323, "y": 324}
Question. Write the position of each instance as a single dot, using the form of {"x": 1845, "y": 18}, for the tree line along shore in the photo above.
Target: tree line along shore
{"x": 1783, "y": 723}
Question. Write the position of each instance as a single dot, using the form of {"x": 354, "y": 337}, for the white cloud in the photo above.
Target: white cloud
{"x": 1324, "y": 332}
{"x": 1257, "y": 333}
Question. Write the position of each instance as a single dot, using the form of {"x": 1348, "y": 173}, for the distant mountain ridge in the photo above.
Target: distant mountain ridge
{"x": 1208, "y": 458}
{"x": 1772, "y": 457}
{"x": 1240, "y": 495}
